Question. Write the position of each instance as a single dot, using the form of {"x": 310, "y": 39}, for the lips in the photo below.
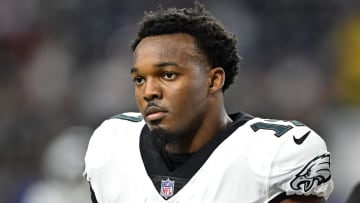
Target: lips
{"x": 153, "y": 113}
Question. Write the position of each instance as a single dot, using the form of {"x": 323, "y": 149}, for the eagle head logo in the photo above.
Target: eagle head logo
{"x": 316, "y": 172}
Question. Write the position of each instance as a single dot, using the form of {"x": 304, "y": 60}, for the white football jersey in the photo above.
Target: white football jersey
{"x": 259, "y": 161}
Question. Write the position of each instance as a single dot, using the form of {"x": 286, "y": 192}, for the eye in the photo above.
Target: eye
{"x": 169, "y": 75}
{"x": 138, "y": 80}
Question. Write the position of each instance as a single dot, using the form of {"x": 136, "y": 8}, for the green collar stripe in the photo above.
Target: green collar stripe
{"x": 129, "y": 118}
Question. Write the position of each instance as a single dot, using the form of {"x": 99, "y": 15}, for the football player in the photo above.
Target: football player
{"x": 183, "y": 146}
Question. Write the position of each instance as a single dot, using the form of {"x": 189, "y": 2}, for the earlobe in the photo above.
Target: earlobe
{"x": 217, "y": 79}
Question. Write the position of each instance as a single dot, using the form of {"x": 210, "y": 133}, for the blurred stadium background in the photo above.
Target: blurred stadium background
{"x": 64, "y": 68}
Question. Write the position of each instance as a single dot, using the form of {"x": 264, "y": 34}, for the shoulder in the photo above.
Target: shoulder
{"x": 297, "y": 144}
{"x": 110, "y": 135}
{"x": 292, "y": 156}
{"x": 129, "y": 117}
{"x": 119, "y": 122}
{"x": 281, "y": 141}
{"x": 288, "y": 143}
{"x": 280, "y": 144}
{"x": 288, "y": 136}
{"x": 114, "y": 127}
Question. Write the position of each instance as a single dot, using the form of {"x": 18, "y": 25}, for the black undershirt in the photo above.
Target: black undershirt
{"x": 161, "y": 165}
{"x": 174, "y": 161}
{"x": 180, "y": 168}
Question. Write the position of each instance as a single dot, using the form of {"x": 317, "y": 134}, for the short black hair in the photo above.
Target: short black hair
{"x": 218, "y": 44}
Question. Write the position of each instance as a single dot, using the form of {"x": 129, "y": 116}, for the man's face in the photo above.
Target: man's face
{"x": 171, "y": 76}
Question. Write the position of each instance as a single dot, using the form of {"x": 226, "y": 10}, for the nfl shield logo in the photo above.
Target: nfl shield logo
{"x": 167, "y": 188}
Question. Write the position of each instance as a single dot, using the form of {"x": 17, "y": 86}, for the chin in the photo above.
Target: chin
{"x": 159, "y": 128}
{"x": 157, "y": 125}
{"x": 162, "y": 137}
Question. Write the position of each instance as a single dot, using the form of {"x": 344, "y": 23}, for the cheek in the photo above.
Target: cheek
{"x": 187, "y": 98}
{"x": 139, "y": 100}
{"x": 187, "y": 109}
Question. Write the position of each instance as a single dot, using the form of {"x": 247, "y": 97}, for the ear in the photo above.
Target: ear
{"x": 217, "y": 79}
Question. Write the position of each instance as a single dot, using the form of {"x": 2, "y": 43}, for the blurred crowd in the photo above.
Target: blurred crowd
{"x": 64, "y": 67}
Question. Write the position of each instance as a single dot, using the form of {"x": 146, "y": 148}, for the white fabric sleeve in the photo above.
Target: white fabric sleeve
{"x": 302, "y": 168}
{"x": 101, "y": 146}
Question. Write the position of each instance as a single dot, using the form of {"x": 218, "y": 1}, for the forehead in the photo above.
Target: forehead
{"x": 168, "y": 47}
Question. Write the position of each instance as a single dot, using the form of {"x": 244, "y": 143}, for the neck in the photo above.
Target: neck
{"x": 213, "y": 124}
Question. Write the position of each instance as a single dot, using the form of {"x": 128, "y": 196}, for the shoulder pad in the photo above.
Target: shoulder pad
{"x": 131, "y": 116}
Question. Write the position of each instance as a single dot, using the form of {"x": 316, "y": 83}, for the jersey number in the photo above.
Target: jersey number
{"x": 277, "y": 128}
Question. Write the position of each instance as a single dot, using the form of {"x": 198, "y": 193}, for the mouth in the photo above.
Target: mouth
{"x": 154, "y": 113}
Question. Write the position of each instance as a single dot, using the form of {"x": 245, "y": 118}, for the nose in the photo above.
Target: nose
{"x": 152, "y": 90}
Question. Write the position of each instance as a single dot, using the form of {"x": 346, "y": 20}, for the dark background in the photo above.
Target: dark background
{"x": 64, "y": 68}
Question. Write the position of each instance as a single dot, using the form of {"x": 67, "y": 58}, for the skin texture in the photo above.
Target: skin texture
{"x": 173, "y": 76}
{"x": 171, "y": 73}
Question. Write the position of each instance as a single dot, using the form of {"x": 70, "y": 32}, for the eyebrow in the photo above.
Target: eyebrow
{"x": 133, "y": 70}
{"x": 159, "y": 65}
